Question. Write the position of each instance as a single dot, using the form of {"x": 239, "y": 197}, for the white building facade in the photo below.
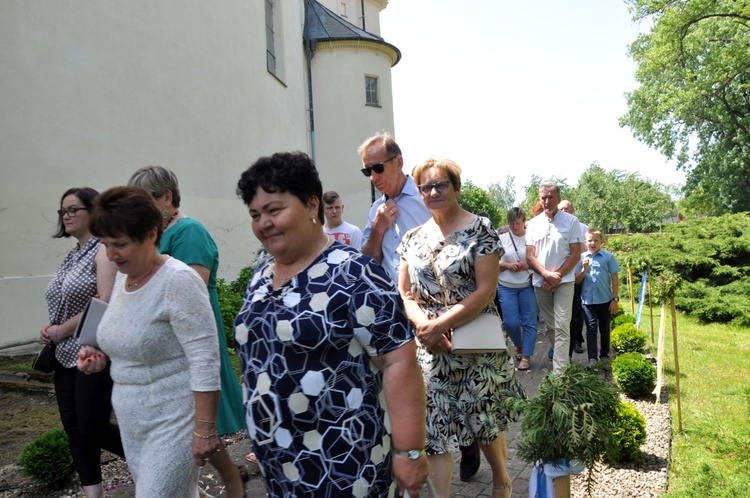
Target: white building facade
{"x": 91, "y": 91}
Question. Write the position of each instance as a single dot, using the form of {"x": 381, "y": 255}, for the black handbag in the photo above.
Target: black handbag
{"x": 45, "y": 361}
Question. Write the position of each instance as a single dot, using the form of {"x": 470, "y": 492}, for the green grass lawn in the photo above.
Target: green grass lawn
{"x": 710, "y": 457}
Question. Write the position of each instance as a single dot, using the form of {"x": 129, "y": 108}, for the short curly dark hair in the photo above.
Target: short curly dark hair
{"x": 283, "y": 172}
{"x": 129, "y": 211}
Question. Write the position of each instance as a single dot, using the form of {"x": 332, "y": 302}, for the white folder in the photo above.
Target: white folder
{"x": 89, "y": 322}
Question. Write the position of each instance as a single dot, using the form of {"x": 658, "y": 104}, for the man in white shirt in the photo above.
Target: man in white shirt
{"x": 335, "y": 226}
{"x": 553, "y": 248}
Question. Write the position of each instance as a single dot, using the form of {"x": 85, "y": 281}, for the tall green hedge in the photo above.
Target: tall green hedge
{"x": 711, "y": 257}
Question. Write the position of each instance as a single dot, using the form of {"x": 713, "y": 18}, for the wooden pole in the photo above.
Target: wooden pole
{"x": 630, "y": 289}
{"x": 650, "y": 304}
{"x": 562, "y": 486}
{"x": 676, "y": 363}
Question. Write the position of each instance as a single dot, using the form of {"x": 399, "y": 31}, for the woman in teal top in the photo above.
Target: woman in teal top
{"x": 188, "y": 240}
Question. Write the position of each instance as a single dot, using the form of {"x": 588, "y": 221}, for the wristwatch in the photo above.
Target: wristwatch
{"x": 411, "y": 454}
{"x": 616, "y": 299}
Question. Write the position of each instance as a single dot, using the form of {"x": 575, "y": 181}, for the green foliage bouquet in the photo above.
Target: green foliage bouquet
{"x": 570, "y": 417}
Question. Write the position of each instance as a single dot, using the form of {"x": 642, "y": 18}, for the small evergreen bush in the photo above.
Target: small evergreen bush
{"x": 47, "y": 459}
{"x": 627, "y": 338}
{"x": 623, "y": 318}
{"x": 629, "y": 430}
{"x": 635, "y": 374}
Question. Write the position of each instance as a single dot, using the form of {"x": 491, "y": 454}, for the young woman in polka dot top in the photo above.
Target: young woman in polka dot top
{"x": 83, "y": 400}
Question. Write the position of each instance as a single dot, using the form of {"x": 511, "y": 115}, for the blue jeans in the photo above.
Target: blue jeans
{"x": 519, "y": 315}
{"x": 597, "y": 323}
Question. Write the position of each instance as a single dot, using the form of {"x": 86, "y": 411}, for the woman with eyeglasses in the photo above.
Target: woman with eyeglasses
{"x": 452, "y": 260}
{"x": 516, "y": 293}
{"x": 83, "y": 400}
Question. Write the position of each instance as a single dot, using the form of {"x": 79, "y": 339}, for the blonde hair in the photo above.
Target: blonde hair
{"x": 450, "y": 168}
{"x": 594, "y": 231}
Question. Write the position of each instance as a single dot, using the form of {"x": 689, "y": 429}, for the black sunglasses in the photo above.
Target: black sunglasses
{"x": 377, "y": 167}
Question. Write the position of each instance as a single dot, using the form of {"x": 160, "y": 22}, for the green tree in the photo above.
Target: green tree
{"x": 503, "y": 196}
{"x": 693, "y": 102}
{"x": 475, "y": 199}
{"x": 620, "y": 201}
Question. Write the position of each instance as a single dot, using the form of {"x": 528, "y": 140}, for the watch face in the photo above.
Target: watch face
{"x": 411, "y": 454}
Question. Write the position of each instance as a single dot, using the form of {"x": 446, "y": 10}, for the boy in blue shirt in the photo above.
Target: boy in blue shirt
{"x": 598, "y": 271}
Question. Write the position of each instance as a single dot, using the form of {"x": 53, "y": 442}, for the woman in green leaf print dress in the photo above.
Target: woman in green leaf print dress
{"x": 188, "y": 240}
{"x": 452, "y": 259}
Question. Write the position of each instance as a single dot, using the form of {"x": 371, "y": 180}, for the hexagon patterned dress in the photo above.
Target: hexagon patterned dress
{"x": 314, "y": 403}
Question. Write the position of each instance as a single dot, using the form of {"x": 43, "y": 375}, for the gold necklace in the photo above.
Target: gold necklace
{"x": 283, "y": 280}
{"x": 137, "y": 282}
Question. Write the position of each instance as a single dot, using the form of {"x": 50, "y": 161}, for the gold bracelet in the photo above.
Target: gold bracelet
{"x": 205, "y": 421}
{"x": 204, "y": 436}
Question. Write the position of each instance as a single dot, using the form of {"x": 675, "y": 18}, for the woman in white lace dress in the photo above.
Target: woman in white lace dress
{"x": 160, "y": 335}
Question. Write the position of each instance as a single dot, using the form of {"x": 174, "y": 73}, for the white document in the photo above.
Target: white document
{"x": 89, "y": 322}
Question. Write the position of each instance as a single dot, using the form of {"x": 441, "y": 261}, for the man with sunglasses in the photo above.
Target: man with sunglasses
{"x": 398, "y": 210}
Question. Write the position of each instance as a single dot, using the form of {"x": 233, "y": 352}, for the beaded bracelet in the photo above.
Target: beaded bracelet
{"x": 204, "y": 436}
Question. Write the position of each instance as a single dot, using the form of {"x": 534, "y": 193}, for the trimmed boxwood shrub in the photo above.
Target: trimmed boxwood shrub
{"x": 629, "y": 431}
{"x": 47, "y": 459}
{"x": 623, "y": 318}
{"x": 635, "y": 375}
{"x": 627, "y": 338}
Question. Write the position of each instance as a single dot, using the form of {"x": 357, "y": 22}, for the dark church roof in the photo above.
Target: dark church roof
{"x": 323, "y": 25}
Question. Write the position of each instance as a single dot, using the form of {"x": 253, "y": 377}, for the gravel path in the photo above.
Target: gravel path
{"x": 647, "y": 479}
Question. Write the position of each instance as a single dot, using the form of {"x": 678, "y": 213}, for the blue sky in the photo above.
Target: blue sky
{"x": 517, "y": 87}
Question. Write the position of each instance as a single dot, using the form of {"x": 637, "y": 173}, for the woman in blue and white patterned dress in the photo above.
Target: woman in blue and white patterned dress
{"x": 323, "y": 340}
